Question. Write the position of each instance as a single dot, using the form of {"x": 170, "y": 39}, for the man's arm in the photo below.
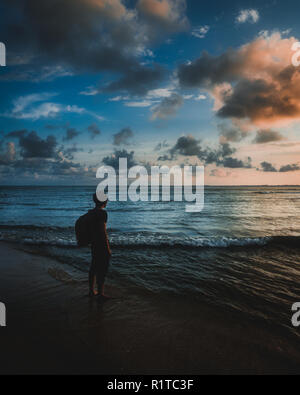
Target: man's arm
{"x": 106, "y": 239}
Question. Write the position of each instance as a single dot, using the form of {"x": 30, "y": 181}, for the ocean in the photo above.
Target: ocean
{"x": 241, "y": 253}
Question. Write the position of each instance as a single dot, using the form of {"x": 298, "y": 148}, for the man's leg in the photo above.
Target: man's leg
{"x": 92, "y": 278}
{"x": 102, "y": 268}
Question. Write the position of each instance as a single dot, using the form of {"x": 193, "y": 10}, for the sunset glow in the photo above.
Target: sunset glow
{"x": 168, "y": 82}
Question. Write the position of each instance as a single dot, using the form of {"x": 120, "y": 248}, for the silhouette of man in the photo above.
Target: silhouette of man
{"x": 101, "y": 252}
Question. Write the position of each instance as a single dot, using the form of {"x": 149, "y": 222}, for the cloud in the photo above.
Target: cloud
{"x": 70, "y": 151}
{"x": 165, "y": 15}
{"x": 90, "y": 91}
{"x": 80, "y": 110}
{"x": 200, "y": 97}
{"x": 168, "y": 107}
{"x": 23, "y": 102}
{"x": 234, "y": 163}
{"x": 26, "y": 107}
{"x": 231, "y": 134}
{"x": 268, "y": 167}
{"x": 138, "y": 80}
{"x": 266, "y": 136}
{"x": 8, "y": 155}
{"x": 123, "y": 137}
{"x": 71, "y": 133}
{"x": 160, "y": 93}
{"x": 161, "y": 146}
{"x": 93, "y": 36}
{"x": 113, "y": 160}
{"x": 255, "y": 84}
{"x": 187, "y": 146}
{"x": 94, "y": 130}
{"x": 43, "y": 74}
{"x": 118, "y": 98}
{"x": 260, "y": 101}
{"x": 151, "y": 98}
{"x": 34, "y": 156}
{"x": 33, "y": 146}
{"x": 221, "y": 156}
{"x": 35, "y": 107}
{"x": 48, "y": 169}
{"x": 139, "y": 104}
{"x": 249, "y": 15}
{"x": 288, "y": 168}
{"x": 200, "y": 31}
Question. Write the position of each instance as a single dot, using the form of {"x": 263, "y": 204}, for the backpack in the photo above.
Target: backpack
{"x": 84, "y": 229}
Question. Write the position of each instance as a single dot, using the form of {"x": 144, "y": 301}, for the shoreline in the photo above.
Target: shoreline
{"x": 53, "y": 328}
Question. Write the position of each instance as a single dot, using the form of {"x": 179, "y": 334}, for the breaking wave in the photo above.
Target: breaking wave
{"x": 140, "y": 241}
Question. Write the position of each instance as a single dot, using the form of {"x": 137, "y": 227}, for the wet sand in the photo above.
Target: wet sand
{"x": 54, "y": 328}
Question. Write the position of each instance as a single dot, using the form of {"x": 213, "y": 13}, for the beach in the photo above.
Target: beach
{"x": 54, "y": 328}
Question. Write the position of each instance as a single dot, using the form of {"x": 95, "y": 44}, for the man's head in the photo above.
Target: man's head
{"x": 98, "y": 202}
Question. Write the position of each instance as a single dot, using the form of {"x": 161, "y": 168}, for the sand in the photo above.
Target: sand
{"x": 54, "y": 328}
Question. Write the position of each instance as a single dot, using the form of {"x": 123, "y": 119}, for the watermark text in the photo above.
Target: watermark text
{"x": 161, "y": 183}
{"x": 2, "y": 55}
{"x": 2, "y": 314}
{"x": 296, "y": 316}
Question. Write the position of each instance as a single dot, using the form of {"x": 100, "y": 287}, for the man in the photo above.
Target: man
{"x": 101, "y": 252}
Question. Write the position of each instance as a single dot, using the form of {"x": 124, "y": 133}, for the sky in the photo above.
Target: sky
{"x": 161, "y": 82}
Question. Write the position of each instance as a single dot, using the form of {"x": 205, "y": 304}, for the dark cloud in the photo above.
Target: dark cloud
{"x": 94, "y": 130}
{"x": 187, "y": 146}
{"x": 33, "y": 146}
{"x": 70, "y": 151}
{"x": 208, "y": 70}
{"x": 288, "y": 168}
{"x": 163, "y": 15}
{"x": 44, "y": 167}
{"x": 257, "y": 100}
{"x": 221, "y": 156}
{"x": 138, "y": 80}
{"x": 74, "y": 32}
{"x": 34, "y": 156}
{"x": 168, "y": 107}
{"x": 266, "y": 136}
{"x": 123, "y": 137}
{"x": 233, "y": 163}
{"x": 88, "y": 35}
{"x": 255, "y": 82}
{"x": 231, "y": 134}
{"x": 71, "y": 134}
{"x": 113, "y": 160}
{"x": 268, "y": 167}
{"x": 218, "y": 155}
{"x": 164, "y": 158}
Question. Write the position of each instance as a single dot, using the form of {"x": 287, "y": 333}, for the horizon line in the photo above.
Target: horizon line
{"x": 86, "y": 185}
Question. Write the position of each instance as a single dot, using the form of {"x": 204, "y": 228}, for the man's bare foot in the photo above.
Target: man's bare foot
{"x": 92, "y": 294}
